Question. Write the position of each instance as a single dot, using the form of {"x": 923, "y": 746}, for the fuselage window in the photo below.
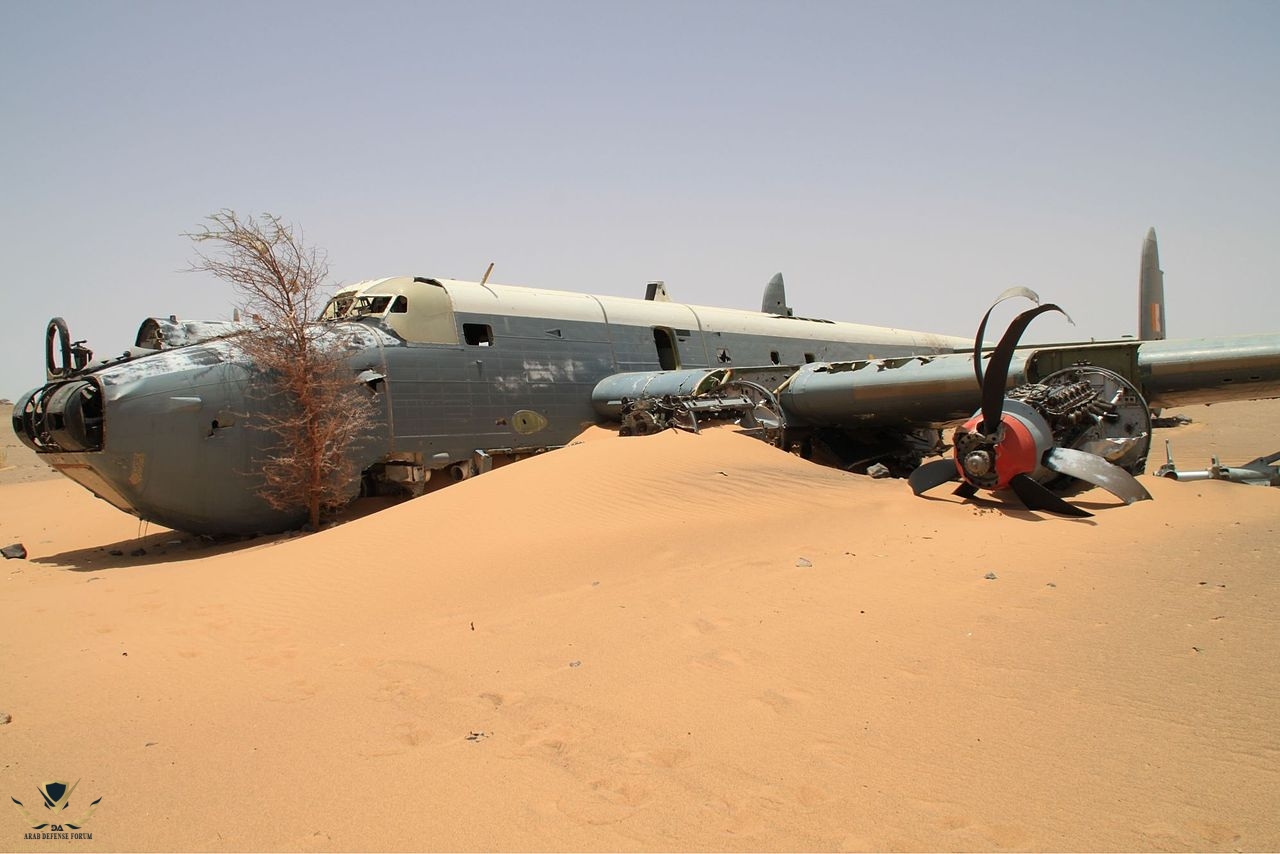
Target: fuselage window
{"x": 401, "y": 305}
{"x": 775, "y": 357}
{"x": 809, "y": 357}
{"x": 668, "y": 355}
{"x": 478, "y": 334}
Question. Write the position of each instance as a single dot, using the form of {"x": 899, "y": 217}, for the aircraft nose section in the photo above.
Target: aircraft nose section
{"x": 167, "y": 438}
{"x": 61, "y": 417}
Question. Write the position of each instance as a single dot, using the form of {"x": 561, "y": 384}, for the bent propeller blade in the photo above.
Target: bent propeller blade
{"x": 997, "y": 376}
{"x": 1036, "y": 497}
{"x": 1009, "y": 293}
{"x": 932, "y": 474}
{"x": 1092, "y": 468}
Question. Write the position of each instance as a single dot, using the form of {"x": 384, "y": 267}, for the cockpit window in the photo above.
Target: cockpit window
{"x": 351, "y": 306}
{"x": 363, "y": 306}
{"x": 337, "y": 307}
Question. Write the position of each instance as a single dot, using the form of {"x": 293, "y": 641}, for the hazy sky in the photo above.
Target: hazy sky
{"x": 901, "y": 163}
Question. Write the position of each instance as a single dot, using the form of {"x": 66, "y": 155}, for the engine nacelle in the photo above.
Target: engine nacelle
{"x": 609, "y": 393}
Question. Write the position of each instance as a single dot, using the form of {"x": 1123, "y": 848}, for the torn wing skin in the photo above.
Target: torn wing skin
{"x": 939, "y": 391}
{"x": 1073, "y": 415}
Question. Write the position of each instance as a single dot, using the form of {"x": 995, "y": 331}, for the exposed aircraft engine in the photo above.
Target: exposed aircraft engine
{"x": 610, "y": 395}
{"x": 1077, "y": 426}
{"x": 650, "y": 402}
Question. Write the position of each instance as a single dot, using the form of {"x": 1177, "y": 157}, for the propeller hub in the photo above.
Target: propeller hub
{"x": 978, "y": 463}
{"x": 990, "y": 461}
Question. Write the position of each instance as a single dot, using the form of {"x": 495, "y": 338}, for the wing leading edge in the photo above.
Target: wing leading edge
{"x": 939, "y": 390}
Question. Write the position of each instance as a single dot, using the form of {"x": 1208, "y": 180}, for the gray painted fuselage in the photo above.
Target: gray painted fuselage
{"x": 502, "y": 371}
{"x": 460, "y": 373}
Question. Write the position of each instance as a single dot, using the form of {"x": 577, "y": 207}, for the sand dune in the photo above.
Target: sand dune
{"x": 668, "y": 642}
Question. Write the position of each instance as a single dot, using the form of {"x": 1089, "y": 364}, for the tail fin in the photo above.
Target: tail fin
{"x": 775, "y": 297}
{"x": 1150, "y": 292}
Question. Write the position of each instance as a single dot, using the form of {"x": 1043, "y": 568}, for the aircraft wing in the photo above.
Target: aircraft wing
{"x": 1042, "y": 421}
{"x": 1049, "y": 421}
{"x": 941, "y": 390}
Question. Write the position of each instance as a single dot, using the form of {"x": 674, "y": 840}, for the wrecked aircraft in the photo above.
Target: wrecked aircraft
{"x": 464, "y": 375}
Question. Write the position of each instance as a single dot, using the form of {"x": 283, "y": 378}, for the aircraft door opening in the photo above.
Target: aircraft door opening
{"x": 665, "y": 341}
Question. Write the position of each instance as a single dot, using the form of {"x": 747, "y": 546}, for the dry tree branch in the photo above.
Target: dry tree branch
{"x": 322, "y": 412}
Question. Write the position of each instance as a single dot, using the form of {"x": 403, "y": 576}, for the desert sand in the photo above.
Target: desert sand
{"x": 661, "y": 643}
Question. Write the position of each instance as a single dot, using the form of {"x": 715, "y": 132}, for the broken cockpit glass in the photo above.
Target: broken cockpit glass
{"x": 350, "y": 307}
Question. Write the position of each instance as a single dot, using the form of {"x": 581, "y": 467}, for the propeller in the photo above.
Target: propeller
{"x": 932, "y": 474}
{"x": 1025, "y": 439}
{"x": 1035, "y": 496}
{"x": 1009, "y": 293}
{"x": 997, "y": 378}
{"x": 1092, "y": 468}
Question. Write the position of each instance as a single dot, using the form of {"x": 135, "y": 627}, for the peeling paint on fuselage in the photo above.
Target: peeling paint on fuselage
{"x": 167, "y": 457}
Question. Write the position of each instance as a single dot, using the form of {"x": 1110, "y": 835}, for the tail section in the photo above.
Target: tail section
{"x": 775, "y": 298}
{"x": 1150, "y": 292}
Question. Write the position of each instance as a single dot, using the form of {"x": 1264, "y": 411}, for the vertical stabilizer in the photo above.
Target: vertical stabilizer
{"x": 1150, "y": 292}
{"x": 775, "y": 297}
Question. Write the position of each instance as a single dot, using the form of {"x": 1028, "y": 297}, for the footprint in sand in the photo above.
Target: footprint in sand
{"x": 785, "y": 700}
{"x": 402, "y": 738}
{"x": 718, "y": 659}
{"x": 707, "y": 625}
{"x": 605, "y": 801}
{"x": 643, "y": 759}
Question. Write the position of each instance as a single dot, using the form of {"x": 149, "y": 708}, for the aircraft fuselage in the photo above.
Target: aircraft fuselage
{"x": 458, "y": 372}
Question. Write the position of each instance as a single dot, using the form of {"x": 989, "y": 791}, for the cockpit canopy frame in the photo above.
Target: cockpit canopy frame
{"x": 418, "y": 310}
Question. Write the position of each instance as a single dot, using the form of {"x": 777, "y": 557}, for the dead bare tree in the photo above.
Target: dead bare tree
{"x": 280, "y": 284}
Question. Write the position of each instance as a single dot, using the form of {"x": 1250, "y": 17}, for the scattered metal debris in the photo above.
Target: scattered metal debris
{"x": 1260, "y": 471}
{"x": 17, "y": 550}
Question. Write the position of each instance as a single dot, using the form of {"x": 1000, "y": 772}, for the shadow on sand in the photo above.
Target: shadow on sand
{"x": 1007, "y": 504}
{"x": 174, "y": 546}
